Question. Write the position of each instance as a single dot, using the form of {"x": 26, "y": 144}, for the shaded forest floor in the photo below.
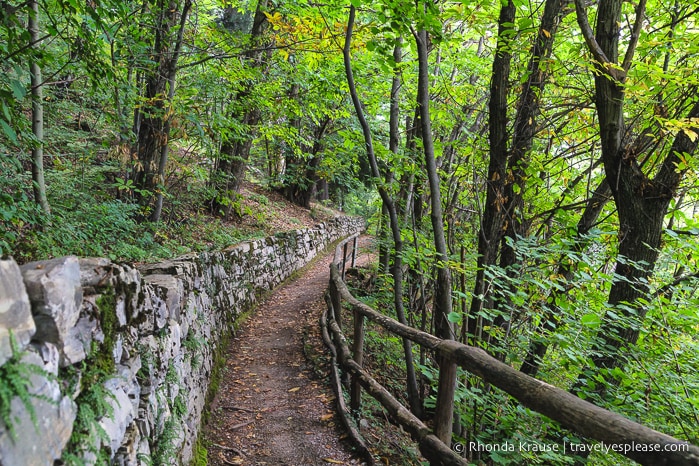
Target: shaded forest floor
{"x": 274, "y": 406}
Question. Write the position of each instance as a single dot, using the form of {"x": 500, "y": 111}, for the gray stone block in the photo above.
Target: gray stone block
{"x": 121, "y": 417}
{"x": 169, "y": 289}
{"x": 56, "y": 295}
{"x": 15, "y": 310}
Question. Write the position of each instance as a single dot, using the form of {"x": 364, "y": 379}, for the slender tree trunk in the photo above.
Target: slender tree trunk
{"x": 444, "y": 328}
{"x": 39, "y": 184}
{"x": 525, "y": 129}
{"x": 394, "y": 135}
{"x": 381, "y": 235}
{"x": 397, "y": 268}
{"x": 406, "y": 191}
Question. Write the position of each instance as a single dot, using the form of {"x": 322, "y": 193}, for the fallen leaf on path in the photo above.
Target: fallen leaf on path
{"x": 330, "y": 460}
{"x": 326, "y": 417}
{"x": 295, "y": 389}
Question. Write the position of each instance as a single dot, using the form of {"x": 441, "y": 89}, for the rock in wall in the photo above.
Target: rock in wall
{"x": 102, "y": 363}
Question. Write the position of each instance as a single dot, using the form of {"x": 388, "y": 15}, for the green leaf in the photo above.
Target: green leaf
{"x": 18, "y": 89}
{"x": 591, "y": 320}
{"x": 6, "y": 110}
{"x": 9, "y": 132}
{"x": 525, "y": 23}
{"x": 454, "y": 317}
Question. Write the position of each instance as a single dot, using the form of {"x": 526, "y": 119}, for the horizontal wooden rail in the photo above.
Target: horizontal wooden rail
{"x": 627, "y": 437}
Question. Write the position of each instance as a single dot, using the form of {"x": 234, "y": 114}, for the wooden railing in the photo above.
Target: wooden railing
{"x": 629, "y": 438}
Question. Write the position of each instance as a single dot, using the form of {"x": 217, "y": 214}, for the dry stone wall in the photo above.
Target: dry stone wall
{"x": 103, "y": 363}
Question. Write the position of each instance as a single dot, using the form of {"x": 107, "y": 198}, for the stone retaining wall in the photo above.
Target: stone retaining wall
{"x": 104, "y": 363}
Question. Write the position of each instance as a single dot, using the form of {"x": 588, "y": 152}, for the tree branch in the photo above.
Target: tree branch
{"x": 665, "y": 288}
{"x": 605, "y": 65}
{"x": 692, "y": 232}
{"x": 628, "y": 58}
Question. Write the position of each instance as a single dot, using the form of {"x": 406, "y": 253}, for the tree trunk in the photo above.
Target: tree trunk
{"x": 300, "y": 187}
{"x": 641, "y": 202}
{"x": 442, "y": 301}
{"x": 303, "y": 189}
{"x": 491, "y": 230}
{"x": 394, "y": 134}
{"x": 39, "y": 185}
{"x": 153, "y": 132}
{"x": 165, "y": 147}
{"x": 525, "y": 129}
{"x": 397, "y": 268}
{"x": 229, "y": 173}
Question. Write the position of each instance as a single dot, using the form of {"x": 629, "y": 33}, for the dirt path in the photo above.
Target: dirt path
{"x": 271, "y": 407}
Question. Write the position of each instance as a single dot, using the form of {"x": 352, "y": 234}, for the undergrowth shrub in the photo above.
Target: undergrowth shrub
{"x": 18, "y": 212}
{"x": 97, "y": 229}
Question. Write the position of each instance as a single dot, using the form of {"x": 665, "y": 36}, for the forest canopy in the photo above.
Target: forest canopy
{"x": 529, "y": 169}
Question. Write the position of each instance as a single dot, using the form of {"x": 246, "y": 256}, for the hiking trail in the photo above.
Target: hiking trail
{"x": 271, "y": 407}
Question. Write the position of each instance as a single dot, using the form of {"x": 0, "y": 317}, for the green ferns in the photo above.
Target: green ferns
{"x": 15, "y": 381}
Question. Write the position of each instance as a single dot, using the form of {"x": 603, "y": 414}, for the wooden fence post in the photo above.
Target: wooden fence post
{"x": 354, "y": 251}
{"x": 344, "y": 260}
{"x": 358, "y": 356}
{"x": 444, "y": 411}
{"x": 335, "y": 298}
